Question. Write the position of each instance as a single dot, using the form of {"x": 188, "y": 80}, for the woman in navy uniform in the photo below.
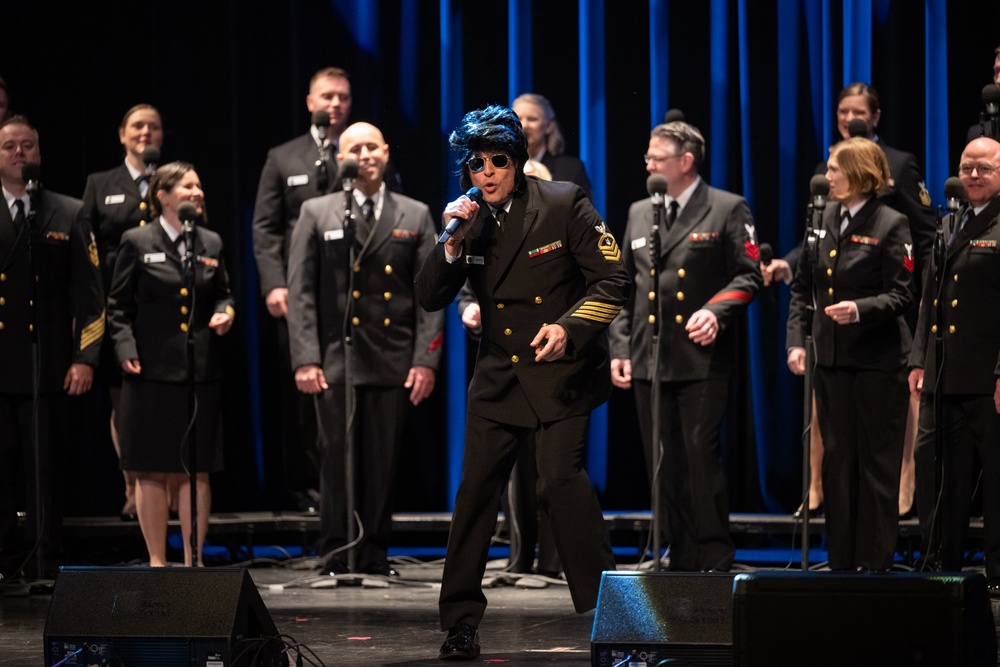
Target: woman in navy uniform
{"x": 862, "y": 284}
{"x": 113, "y": 202}
{"x": 150, "y": 311}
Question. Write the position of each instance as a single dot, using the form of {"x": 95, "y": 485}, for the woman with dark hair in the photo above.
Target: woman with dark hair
{"x": 151, "y": 312}
{"x": 861, "y": 284}
{"x": 114, "y": 201}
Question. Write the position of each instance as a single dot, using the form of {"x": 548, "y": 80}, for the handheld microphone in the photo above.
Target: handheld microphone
{"x": 673, "y": 115}
{"x": 151, "y": 158}
{"x": 348, "y": 172}
{"x": 819, "y": 188}
{"x": 857, "y": 128}
{"x": 766, "y": 253}
{"x": 31, "y": 175}
{"x": 475, "y": 194}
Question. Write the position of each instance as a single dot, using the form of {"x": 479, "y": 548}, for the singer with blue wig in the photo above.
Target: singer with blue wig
{"x": 549, "y": 278}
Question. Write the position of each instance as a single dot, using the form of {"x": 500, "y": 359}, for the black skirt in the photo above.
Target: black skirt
{"x": 152, "y": 422}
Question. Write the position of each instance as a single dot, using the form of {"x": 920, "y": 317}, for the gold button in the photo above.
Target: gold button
{"x": 833, "y": 253}
{"x": 142, "y": 223}
{"x": 31, "y": 327}
{"x": 933, "y": 328}
{"x": 951, "y": 329}
{"x": 388, "y": 270}
{"x": 680, "y": 296}
{"x": 142, "y": 207}
{"x": 954, "y": 304}
{"x": 184, "y": 326}
{"x": 499, "y": 306}
{"x": 652, "y": 319}
{"x": 386, "y": 322}
{"x": 652, "y": 296}
{"x": 830, "y": 291}
{"x": 507, "y": 332}
{"x": 679, "y": 319}
{"x": 2, "y": 301}
{"x": 387, "y": 296}
{"x": 184, "y": 291}
{"x": 357, "y": 268}
{"x": 184, "y": 310}
{"x": 538, "y": 299}
{"x": 680, "y": 273}
{"x": 1, "y": 326}
{"x": 31, "y": 302}
{"x": 3, "y": 277}
{"x": 935, "y": 303}
{"x": 356, "y": 294}
{"x": 515, "y": 358}
{"x": 829, "y": 272}
{"x": 956, "y": 278}
{"x": 652, "y": 272}
{"x": 355, "y": 321}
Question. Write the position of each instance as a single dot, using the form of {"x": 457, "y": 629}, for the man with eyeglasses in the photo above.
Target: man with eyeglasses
{"x": 395, "y": 345}
{"x": 549, "y": 280}
{"x": 967, "y": 379}
{"x": 707, "y": 269}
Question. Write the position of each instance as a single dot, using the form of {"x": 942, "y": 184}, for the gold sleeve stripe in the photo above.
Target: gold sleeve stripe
{"x": 597, "y": 311}
{"x": 92, "y": 333}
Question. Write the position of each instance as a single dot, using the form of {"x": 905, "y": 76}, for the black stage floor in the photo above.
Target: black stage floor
{"x": 386, "y": 621}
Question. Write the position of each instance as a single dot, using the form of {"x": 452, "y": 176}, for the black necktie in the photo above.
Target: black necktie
{"x": 143, "y": 184}
{"x": 18, "y": 213}
{"x": 845, "y": 220}
{"x": 672, "y": 213}
{"x": 966, "y": 217}
{"x": 365, "y": 224}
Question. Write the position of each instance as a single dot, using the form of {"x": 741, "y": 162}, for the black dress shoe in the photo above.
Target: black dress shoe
{"x": 818, "y": 511}
{"x": 334, "y": 567}
{"x": 462, "y": 643}
{"x": 381, "y": 568}
{"x": 993, "y": 586}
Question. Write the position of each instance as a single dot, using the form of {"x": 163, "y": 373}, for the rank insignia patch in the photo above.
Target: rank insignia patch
{"x": 925, "y": 197}
{"x": 92, "y": 250}
{"x": 750, "y": 245}
{"x": 609, "y": 247}
{"x": 908, "y": 256}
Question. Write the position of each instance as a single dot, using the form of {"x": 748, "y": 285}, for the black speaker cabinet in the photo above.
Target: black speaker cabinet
{"x": 644, "y": 618}
{"x": 813, "y": 618}
{"x": 159, "y": 617}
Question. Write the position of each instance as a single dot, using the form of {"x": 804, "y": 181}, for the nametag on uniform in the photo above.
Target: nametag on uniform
{"x": 475, "y": 259}
{"x": 638, "y": 243}
{"x": 114, "y": 199}
{"x": 154, "y": 257}
{"x": 301, "y": 179}
{"x": 333, "y": 235}
{"x": 821, "y": 233}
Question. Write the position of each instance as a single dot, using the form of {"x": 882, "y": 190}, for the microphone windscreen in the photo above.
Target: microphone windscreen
{"x": 348, "y": 168}
{"x": 656, "y": 184}
{"x": 766, "y": 253}
{"x": 857, "y": 128}
{"x": 187, "y": 212}
{"x": 475, "y": 194}
{"x": 321, "y": 118}
{"x": 991, "y": 94}
{"x": 953, "y": 188}
{"x": 819, "y": 186}
{"x": 151, "y": 155}
{"x": 673, "y": 115}
{"x": 31, "y": 171}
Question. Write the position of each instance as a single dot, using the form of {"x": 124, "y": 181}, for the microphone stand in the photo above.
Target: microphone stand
{"x": 188, "y": 270}
{"x": 36, "y": 380}
{"x": 350, "y": 454}
{"x": 810, "y": 255}
{"x": 940, "y": 257}
{"x": 656, "y": 455}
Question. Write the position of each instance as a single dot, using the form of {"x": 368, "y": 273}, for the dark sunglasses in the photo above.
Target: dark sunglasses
{"x": 477, "y": 164}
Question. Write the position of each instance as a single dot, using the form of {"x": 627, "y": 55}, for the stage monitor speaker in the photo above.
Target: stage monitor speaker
{"x": 829, "y": 618}
{"x": 159, "y": 617}
{"x": 674, "y": 618}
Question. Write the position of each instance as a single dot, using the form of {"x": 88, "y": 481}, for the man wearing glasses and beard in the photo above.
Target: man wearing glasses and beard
{"x": 548, "y": 276}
